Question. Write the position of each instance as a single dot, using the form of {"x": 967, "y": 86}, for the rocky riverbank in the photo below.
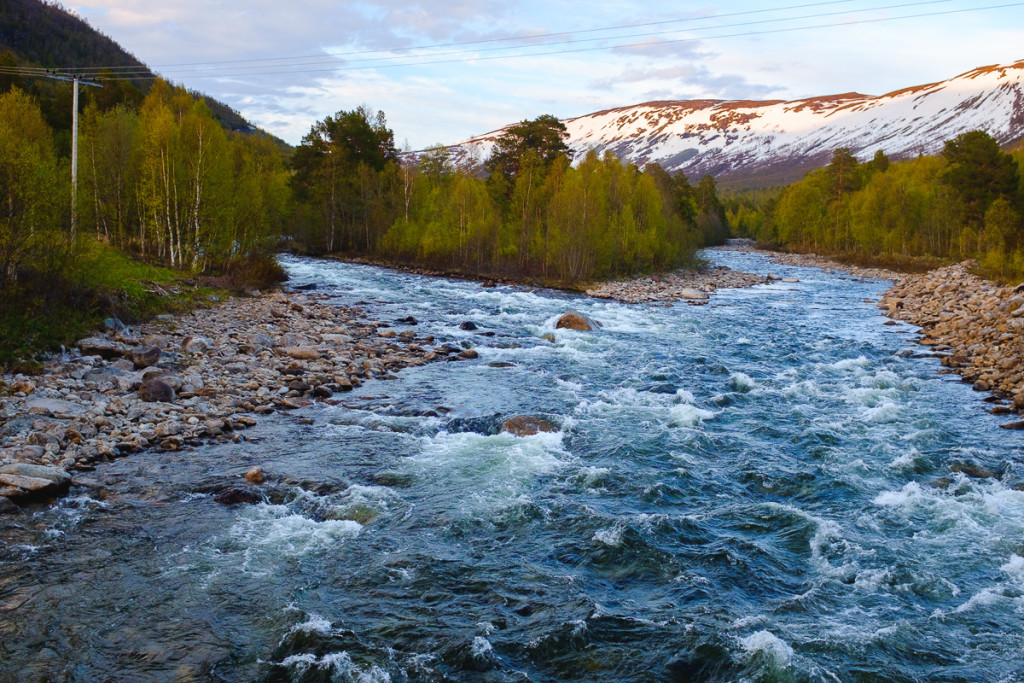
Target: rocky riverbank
{"x": 693, "y": 287}
{"x": 811, "y": 261}
{"x": 975, "y": 324}
{"x": 182, "y": 381}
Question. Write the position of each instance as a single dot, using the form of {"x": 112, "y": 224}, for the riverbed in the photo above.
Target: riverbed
{"x": 774, "y": 486}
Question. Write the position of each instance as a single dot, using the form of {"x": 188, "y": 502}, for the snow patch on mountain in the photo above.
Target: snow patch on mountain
{"x": 747, "y": 139}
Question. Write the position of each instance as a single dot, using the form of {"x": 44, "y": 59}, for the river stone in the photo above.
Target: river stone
{"x": 691, "y": 293}
{"x": 33, "y": 487}
{"x": 53, "y": 407}
{"x": 6, "y": 506}
{"x": 302, "y": 353}
{"x": 469, "y": 354}
{"x": 156, "y": 390}
{"x": 196, "y": 345}
{"x": 51, "y": 474}
{"x": 145, "y": 357}
{"x": 236, "y": 495}
{"x": 793, "y": 279}
{"x": 573, "y": 320}
{"x": 98, "y": 346}
{"x": 524, "y": 425}
{"x": 255, "y": 476}
{"x": 468, "y": 326}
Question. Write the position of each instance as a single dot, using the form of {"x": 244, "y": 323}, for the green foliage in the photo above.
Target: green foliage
{"x": 541, "y": 141}
{"x": 342, "y": 175}
{"x": 979, "y": 172}
{"x": 562, "y": 224}
{"x": 963, "y": 204}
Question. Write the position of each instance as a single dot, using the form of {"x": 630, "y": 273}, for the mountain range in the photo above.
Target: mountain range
{"x": 762, "y": 143}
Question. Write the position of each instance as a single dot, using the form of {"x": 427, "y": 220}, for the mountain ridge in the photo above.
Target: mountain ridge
{"x": 750, "y": 143}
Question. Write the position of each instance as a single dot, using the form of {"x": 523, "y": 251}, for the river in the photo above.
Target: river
{"x": 772, "y": 487}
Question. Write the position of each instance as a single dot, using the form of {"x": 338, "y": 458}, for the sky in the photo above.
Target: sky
{"x": 446, "y": 70}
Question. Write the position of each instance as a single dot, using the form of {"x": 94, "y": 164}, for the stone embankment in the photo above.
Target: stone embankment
{"x": 183, "y": 381}
{"x": 691, "y": 286}
{"x": 976, "y": 325}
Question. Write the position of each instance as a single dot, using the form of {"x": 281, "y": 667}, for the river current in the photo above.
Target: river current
{"x": 771, "y": 487}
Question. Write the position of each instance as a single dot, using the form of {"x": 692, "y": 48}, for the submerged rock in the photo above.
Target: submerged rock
{"x": 525, "y": 425}
{"x": 574, "y": 320}
{"x": 238, "y": 495}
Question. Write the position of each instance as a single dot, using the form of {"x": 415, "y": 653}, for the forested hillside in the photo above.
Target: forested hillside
{"x": 965, "y": 203}
{"x": 44, "y": 34}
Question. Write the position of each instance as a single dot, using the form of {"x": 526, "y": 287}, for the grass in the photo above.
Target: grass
{"x": 44, "y": 311}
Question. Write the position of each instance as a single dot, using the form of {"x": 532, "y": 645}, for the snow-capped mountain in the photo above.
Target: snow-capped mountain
{"x": 766, "y": 143}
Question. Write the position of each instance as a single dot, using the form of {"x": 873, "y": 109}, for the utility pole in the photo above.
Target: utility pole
{"x": 74, "y": 80}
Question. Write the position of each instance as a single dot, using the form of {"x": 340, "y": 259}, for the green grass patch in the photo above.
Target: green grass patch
{"x": 42, "y": 311}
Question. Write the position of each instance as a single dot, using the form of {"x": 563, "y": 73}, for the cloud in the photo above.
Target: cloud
{"x": 692, "y": 81}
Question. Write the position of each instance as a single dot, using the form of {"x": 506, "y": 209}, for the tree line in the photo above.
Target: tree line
{"x": 530, "y": 214}
{"x": 967, "y": 202}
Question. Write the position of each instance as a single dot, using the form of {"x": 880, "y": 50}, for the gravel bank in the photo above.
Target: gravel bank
{"x": 183, "y": 381}
{"x": 694, "y": 287}
{"x": 974, "y": 323}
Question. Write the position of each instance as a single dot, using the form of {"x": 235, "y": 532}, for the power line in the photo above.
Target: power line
{"x": 236, "y": 70}
{"x": 615, "y": 47}
{"x": 510, "y": 38}
{"x": 145, "y": 74}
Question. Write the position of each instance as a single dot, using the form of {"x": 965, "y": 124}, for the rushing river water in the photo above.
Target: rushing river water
{"x": 764, "y": 488}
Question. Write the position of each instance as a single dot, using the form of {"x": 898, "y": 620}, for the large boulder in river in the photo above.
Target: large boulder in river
{"x": 573, "y": 320}
{"x": 525, "y": 425}
{"x": 34, "y": 481}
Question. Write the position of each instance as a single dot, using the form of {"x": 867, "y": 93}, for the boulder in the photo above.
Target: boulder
{"x": 196, "y": 345}
{"x": 468, "y": 326}
{"x": 691, "y": 293}
{"x": 53, "y": 407}
{"x": 573, "y": 320}
{"x": 99, "y": 346}
{"x": 7, "y": 507}
{"x": 34, "y": 481}
{"x": 234, "y": 496}
{"x": 255, "y": 476}
{"x": 302, "y": 352}
{"x": 114, "y": 325}
{"x": 143, "y": 357}
{"x": 156, "y": 390}
{"x": 524, "y": 425}
{"x": 469, "y": 354}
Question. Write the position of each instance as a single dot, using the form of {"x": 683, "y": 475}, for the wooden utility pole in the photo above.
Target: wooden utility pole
{"x": 74, "y": 80}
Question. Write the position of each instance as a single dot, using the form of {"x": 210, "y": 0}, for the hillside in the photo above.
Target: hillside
{"x": 751, "y": 144}
{"x": 44, "y": 34}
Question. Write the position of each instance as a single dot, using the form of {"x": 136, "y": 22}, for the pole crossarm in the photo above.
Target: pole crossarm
{"x": 70, "y": 79}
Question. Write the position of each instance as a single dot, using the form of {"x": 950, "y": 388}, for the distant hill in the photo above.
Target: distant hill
{"x": 37, "y": 33}
{"x": 760, "y": 144}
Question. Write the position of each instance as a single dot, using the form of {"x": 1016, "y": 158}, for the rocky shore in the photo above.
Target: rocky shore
{"x": 182, "y": 381}
{"x": 975, "y": 324}
{"x": 811, "y": 261}
{"x": 694, "y": 287}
